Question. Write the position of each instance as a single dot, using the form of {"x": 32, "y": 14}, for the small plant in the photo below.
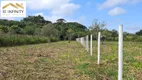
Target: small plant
{"x": 43, "y": 59}
{"x": 82, "y": 66}
{"x": 25, "y": 54}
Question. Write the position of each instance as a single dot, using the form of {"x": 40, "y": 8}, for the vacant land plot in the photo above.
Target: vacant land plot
{"x": 69, "y": 61}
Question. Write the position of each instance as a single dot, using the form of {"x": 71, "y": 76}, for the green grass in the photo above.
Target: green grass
{"x": 69, "y": 61}
{"x": 43, "y": 59}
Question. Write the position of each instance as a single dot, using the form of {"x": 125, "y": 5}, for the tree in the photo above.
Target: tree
{"x": 49, "y": 30}
{"x": 61, "y": 20}
{"x": 37, "y": 31}
{"x": 29, "y": 30}
{"x": 97, "y": 27}
{"x": 35, "y": 20}
{"x": 15, "y": 29}
{"x": 35, "y": 25}
{"x": 3, "y": 29}
{"x": 106, "y": 33}
{"x": 139, "y": 33}
{"x": 77, "y": 29}
{"x": 8, "y": 23}
{"x": 69, "y": 32}
{"x": 114, "y": 34}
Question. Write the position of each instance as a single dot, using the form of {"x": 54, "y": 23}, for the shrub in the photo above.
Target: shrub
{"x": 12, "y": 40}
{"x": 138, "y": 38}
{"x": 54, "y": 39}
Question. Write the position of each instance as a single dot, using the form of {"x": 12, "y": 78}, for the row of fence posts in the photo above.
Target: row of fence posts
{"x": 85, "y": 43}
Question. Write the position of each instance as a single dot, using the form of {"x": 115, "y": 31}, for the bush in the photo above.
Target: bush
{"x": 12, "y": 40}
{"x": 111, "y": 39}
{"x": 4, "y": 29}
{"x": 138, "y": 38}
{"x": 54, "y": 39}
{"x": 128, "y": 38}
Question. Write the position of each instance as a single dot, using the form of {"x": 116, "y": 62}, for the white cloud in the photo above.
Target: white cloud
{"x": 133, "y": 29}
{"x": 46, "y": 4}
{"x": 8, "y": 18}
{"x": 116, "y": 11}
{"x": 53, "y": 18}
{"x": 66, "y": 9}
{"x": 113, "y": 3}
{"x": 58, "y": 7}
{"x": 80, "y": 19}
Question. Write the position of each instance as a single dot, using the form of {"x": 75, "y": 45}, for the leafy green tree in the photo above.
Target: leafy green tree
{"x": 8, "y": 23}
{"x": 76, "y": 27}
{"x": 4, "y": 29}
{"x": 15, "y": 29}
{"x": 61, "y": 20}
{"x": 21, "y": 24}
{"x": 114, "y": 34}
{"x": 49, "y": 30}
{"x": 139, "y": 33}
{"x": 29, "y": 30}
{"x": 37, "y": 31}
{"x": 62, "y": 28}
{"x": 37, "y": 21}
{"x": 69, "y": 32}
{"x": 106, "y": 33}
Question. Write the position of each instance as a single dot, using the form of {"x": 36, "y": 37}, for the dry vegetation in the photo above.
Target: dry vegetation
{"x": 68, "y": 61}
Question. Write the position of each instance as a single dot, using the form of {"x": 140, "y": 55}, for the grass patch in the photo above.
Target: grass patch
{"x": 69, "y": 61}
{"x": 43, "y": 59}
{"x": 82, "y": 66}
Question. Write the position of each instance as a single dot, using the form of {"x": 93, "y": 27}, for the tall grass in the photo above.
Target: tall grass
{"x": 12, "y": 40}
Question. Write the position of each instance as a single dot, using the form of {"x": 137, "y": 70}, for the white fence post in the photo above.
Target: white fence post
{"x": 99, "y": 36}
{"x": 83, "y": 42}
{"x": 120, "y": 53}
{"x": 87, "y": 44}
{"x": 77, "y": 39}
{"x": 91, "y": 44}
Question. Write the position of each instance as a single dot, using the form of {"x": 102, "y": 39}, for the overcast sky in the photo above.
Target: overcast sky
{"x": 114, "y": 12}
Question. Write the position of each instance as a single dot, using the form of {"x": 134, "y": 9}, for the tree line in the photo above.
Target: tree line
{"x": 112, "y": 35}
{"x": 60, "y": 30}
{"x": 37, "y": 25}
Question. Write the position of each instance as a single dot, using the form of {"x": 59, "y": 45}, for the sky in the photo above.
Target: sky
{"x": 113, "y": 12}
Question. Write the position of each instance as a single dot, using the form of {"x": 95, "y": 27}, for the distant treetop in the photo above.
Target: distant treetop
{"x": 61, "y": 20}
